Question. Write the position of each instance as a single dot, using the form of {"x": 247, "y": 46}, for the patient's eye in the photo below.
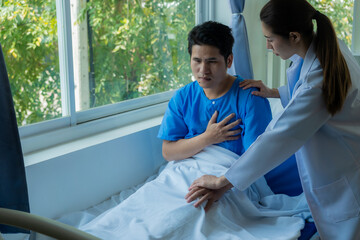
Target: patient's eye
{"x": 198, "y": 60}
{"x": 211, "y": 61}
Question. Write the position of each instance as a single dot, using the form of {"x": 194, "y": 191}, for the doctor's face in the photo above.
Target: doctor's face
{"x": 208, "y": 66}
{"x": 278, "y": 44}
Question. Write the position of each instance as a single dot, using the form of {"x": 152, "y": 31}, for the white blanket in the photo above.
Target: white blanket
{"x": 158, "y": 209}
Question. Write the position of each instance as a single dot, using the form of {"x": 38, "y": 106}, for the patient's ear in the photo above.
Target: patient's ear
{"x": 229, "y": 60}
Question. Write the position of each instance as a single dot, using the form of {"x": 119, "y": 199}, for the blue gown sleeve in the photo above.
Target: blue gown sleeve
{"x": 257, "y": 117}
{"x": 173, "y": 126}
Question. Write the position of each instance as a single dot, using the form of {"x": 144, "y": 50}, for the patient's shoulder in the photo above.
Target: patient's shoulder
{"x": 244, "y": 92}
{"x": 189, "y": 91}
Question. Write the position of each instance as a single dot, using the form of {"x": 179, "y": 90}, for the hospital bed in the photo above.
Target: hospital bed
{"x": 49, "y": 227}
{"x": 283, "y": 179}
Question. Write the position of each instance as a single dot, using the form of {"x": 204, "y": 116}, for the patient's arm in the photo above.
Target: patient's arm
{"x": 214, "y": 133}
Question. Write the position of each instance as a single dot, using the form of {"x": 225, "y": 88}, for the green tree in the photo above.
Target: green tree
{"x": 140, "y": 47}
{"x": 28, "y": 35}
{"x": 340, "y": 13}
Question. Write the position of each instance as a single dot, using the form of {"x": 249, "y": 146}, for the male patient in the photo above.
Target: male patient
{"x": 213, "y": 109}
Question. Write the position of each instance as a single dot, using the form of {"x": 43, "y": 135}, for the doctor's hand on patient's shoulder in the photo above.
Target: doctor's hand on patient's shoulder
{"x": 220, "y": 132}
{"x": 264, "y": 91}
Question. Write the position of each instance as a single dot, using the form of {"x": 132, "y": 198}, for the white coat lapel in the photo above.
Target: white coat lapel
{"x": 309, "y": 60}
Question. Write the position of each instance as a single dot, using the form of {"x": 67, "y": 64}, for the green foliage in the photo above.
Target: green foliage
{"x": 140, "y": 47}
{"x": 340, "y": 13}
{"x": 28, "y": 35}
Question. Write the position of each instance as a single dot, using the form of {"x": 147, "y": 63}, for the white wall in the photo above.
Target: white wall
{"x": 257, "y": 42}
{"x": 82, "y": 178}
{"x": 222, "y": 11}
{"x": 259, "y": 54}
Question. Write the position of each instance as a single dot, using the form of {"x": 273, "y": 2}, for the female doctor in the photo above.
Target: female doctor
{"x": 320, "y": 121}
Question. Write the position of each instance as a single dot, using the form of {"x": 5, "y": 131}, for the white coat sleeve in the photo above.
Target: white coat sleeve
{"x": 301, "y": 118}
{"x": 284, "y": 95}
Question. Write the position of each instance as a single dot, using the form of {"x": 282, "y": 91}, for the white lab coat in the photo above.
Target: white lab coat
{"x": 327, "y": 150}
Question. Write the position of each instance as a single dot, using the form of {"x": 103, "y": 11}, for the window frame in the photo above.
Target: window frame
{"x": 355, "y": 44}
{"x": 75, "y": 125}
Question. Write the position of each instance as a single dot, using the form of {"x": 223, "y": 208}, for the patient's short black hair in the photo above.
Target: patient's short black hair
{"x": 213, "y": 34}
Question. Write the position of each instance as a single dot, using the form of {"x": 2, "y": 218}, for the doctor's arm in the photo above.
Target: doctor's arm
{"x": 214, "y": 133}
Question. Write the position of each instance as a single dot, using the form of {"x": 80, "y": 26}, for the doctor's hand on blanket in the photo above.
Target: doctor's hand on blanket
{"x": 264, "y": 91}
{"x": 207, "y": 188}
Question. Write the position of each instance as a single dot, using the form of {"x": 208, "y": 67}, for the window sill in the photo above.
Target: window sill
{"x": 52, "y": 144}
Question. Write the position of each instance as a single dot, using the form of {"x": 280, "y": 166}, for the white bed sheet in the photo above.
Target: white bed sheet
{"x": 158, "y": 210}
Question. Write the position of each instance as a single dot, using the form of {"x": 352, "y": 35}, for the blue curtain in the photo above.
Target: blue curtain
{"x": 13, "y": 187}
{"x": 242, "y": 65}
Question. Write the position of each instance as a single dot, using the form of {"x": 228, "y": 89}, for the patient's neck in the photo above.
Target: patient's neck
{"x": 221, "y": 89}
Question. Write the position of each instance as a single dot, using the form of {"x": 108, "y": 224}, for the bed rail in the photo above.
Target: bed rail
{"x": 42, "y": 225}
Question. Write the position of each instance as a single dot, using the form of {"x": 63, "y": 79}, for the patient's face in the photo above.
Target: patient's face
{"x": 208, "y": 66}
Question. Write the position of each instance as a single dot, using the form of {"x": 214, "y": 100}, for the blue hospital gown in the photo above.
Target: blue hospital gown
{"x": 189, "y": 112}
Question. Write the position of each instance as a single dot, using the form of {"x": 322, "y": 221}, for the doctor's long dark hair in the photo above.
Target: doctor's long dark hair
{"x": 285, "y": 16}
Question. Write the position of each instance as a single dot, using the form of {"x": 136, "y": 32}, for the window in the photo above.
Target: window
{"x": 121, "y": 50}
{"x": 71, "y": 62}
{"x": 28, "y": 35}
{"x": 340, "y": 13}
{"x": 136, "y": 49}
{"x": 345, "y": 16}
